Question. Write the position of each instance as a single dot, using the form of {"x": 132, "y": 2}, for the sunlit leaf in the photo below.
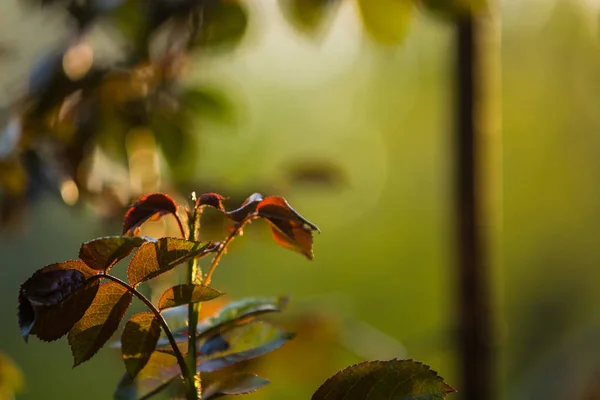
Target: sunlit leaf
{"x": 241, "y": 383}
{"x": 139, "y": 341}
{"x": 155, "y": 258}
{"x": 386, "y": 21}
{"x": 247, "y": 208}
{"x": 213, "y": 200}
{"x": 146, "y": 207}
{"x": 290, "y": 229}
{"x": 160, "y": 371}
{"x": 103, "y": 253}
{"x": 186, "y": 294}
{"x": 223, "y": 24}
{"x": 394, "y": 380}
{"x": 308, "y": 16}
{"x": 245, "y": 343}
{"x": 99, "y": 322}
{"x": 11, "y": 378}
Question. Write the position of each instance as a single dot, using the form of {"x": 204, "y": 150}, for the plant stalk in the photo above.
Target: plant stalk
{"x": 194, "y": 276}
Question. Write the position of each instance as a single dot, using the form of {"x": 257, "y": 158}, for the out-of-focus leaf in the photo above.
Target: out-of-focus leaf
{"x": 386, "y": 21}
{"x": 241, "y": 383}
{"x": 223, "y": 24}
{"x": 213, "y": 200}
{"x": 290, "y": 229}
{"x": 149, "y": 206}
{"x": 207, "y": 103}
{"x": 233, "y": 314}
{"x": 175, "y": 139}
{"x": 46, "y": 292}
{"x": 160, "y": 371}
{"x": 316, "y": 173}
{"x": 11, "y": 378}
{"x": 247, "y": 208}
{"x": 245, "y": 343}
{"x": 139, "y": 341}
{"x": 394, "y": 379}
{"x": 186, "y": 294}
{"x": 103, "y": 253}
{"x": 452, "y": 9}
{"x": 214, "y": 344}
{"x": 99, "y": 322}
{"x": 155, "y": 258}
{"x": 308, "y": 16}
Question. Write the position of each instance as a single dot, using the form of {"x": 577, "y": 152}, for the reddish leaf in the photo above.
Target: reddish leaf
{"x": 139, "y": 341}
{"x": 103, "y": 253}
{"x": 100, "y": 321}
{"x": 394, "y": 379}
{"x": 290, "y": 229}
{"x": 212, "y": 200}
{"x": 150, "y": 206}
{"x": 247, "y": 208}
{"x": 155, "y": 258}
{"x": 240, "y": 383}
{"x": 186, "y": 294}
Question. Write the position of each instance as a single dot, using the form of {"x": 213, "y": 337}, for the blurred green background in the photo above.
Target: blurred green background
{"x": 382, "y": 279}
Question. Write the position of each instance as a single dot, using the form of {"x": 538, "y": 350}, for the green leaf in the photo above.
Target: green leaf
{"x": 289, "y": 228}
{"x": 149, "y": 206}
{"x": 159, "y": 372}
{"x": 308, "y": 16}
{"x": 386, "y": 21}
{"x": 186, "y": 294}
{"x": 393, "y": 380}
{"x": 207, "y": 103}
{"x": 162, "y": 255}
{"x": 244, "y": 343}
{"x": 103, "y": 253}
{"x": 139, "y": 341}
{"x": 223, "y": 24}
{"x": 100, "y": 321}
{"x": 240, "y": 383}
{"x": 452, "y": 9}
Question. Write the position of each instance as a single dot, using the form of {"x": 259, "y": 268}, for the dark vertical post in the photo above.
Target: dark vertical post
{"x": 473, "y": 281}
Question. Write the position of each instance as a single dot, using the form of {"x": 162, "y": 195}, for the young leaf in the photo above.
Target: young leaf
{"x": 139, "y": 341}
{"x": 213, "y": 200}
{"x": 394, "y": 379}
{"x": 160, "y": 371}
{"x": 245, "y": 343}
{"x": 289, "y": 228}
{"x": 308, "y": 16}
{"x": 154, "y": 205}
{"x": 155, "y": 258}
{"x": 247, "y": 208}
{"x": 240, "y": 383}
{"x": 99, "y": 322}
{"x": 186, "y": 294}
{"x": 103, "y": 253}
{"x": 386, "y": 21}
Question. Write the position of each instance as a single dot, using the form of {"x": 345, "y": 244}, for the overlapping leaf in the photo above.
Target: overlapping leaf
{"x": 103, "y": 253}
{"x": 247, "y": 208}
{"x": 138, "y": 341}
{"x": 290, "y": 229}
{"x": 155, "y": 258}
{"x": 58, "y": 294}
{"x": 99, "y": 322}
{"x": 160, "y": 371}
{"x": 386, "y": 21}
{"x": 240, "y": 383}
{"x": 186, "y": 294}
{"x": 147, "y": 207}
{"x": 394, "y": 380}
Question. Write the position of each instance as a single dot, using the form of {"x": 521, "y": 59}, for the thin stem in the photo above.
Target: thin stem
{"x": 180, "y": 224}
{"x": 223, "y": 247}
{"x": 194, "y": 275}
{"x": 160, "y": 318}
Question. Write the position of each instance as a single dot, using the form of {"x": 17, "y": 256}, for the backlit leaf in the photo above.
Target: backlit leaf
{"x": 245, "y": 343}
{"x": 139, "y": 341}
{"x": 213, "y": 200}
{"x": 290, "y": 229}
{"x": 308, "y": 16}
{"x": 100, "y": 321}
{"x": 241, "y": 383}
{"x": 186, "y": 294}
{"x": 160, "y": 371}
{"x": 103, "y": 253}
{"x": 223, "y": 24}
{"x": 155, "y": 258}
{"x": 150, "y": 206}
{"x": 386, "y": 21}
{"x": 394, "y": 380}
{"x": 247, "y": 208}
